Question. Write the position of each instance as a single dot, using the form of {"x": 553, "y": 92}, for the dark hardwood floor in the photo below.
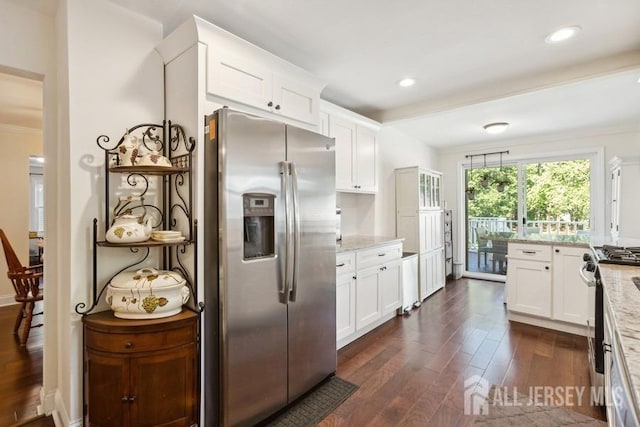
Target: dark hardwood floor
{"x": 411, "y": 370}
{"x": 20, "y": 370}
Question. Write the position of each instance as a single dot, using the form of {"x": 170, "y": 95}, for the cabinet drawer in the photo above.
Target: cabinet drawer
{"x": 531, "y": 252}
{"x": 345, "y": 262}
{"x": 378, "y": 255}
{"x": 139, "y": 342}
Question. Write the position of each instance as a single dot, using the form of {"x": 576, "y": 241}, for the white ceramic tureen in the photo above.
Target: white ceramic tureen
{"x": 147, "y": 294}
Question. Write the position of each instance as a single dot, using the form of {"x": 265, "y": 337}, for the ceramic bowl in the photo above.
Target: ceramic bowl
{"x": 147, "y": 294}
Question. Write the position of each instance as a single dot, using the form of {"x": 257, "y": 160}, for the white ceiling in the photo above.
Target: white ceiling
{"x": 475, "y": 61}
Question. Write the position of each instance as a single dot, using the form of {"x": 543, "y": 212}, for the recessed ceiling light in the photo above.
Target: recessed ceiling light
{"x": 406, "y": 82}
{"x": 562, "y": 34}
{"x": 494, "y": 128}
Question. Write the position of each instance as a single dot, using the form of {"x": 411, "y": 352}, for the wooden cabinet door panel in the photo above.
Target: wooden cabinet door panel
{"x": 163, "y": 387}
{"x": 105, "y": 393}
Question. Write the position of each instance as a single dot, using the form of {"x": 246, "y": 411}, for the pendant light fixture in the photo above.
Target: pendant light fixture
{"x": 470, "y": 191}
{"x": 501, "y": 181}
{"x": 485, "y": 177}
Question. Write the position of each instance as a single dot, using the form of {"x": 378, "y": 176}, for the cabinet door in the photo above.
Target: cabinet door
{"x": 438, "y": 265}
{"x": 344, "y": 133}
{"x": 570, "y": 294}
{"x": 529, "y": 287}
{"x": 422, "y": 190}
{"x": 436, "y": 191}
{"x": 345, "y": 305}
{"x": 163, "y": 387}
{"x": 239, "y": 79}
{"x": 107, "y": 384}
{"x": 295, "y": 100}
{"x": 424, "y": 232}
{"x": 427, "y": 275}
{"x": 368, "y": 297}
{"x": 390, "y": 286}
{"x": 366, "y": 176}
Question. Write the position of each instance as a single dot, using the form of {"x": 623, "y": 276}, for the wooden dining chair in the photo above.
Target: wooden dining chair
{"x": 26, "y": 283}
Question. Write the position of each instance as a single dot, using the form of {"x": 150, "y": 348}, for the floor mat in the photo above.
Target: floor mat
{"x": 312, "y": 408}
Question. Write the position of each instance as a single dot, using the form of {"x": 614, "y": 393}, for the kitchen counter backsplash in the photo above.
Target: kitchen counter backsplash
{"x": 354, "y": 243}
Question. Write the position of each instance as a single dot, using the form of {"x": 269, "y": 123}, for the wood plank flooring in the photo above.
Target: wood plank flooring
{"x": 20, "y": 370}
{"x": 411, "y": 370}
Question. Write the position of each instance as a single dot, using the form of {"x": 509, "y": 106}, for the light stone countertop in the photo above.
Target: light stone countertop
{"x": 556, "y": 240}
{"x": 356, "y": 242}
{"x": 623, "y": 301}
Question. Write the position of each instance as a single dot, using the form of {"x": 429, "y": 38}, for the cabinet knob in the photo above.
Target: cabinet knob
{"x": 557, "y": 251}
{"x": 546, "y": 267}
{"x": 606, "y": 347}
{"x": 353, "y": 277}
{"x": 128, "y": 345}
{"x": 278, "y": 107}
{"x": 270, "y": 104}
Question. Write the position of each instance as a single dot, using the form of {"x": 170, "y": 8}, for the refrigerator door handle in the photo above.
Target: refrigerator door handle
{"x": 284, "y": 174}
{"x": 296, "y": 231}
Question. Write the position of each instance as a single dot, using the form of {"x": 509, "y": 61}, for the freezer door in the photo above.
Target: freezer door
{"x": 312, "y": 306}
{"x": 253, "y": 314}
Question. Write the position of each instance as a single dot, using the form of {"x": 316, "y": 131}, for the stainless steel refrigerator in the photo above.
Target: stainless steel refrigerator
{"x": 269, "y": 249}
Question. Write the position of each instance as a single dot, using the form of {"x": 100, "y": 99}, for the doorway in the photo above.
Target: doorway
{"x": 21, "y": 184}
{"x": 538, "y": 199}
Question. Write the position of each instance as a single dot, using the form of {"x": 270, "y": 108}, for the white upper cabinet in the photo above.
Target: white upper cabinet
{"x": 356, "y": 149}
{"x": 244, "y": 75}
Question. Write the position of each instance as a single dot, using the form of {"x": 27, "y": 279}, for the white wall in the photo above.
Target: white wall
{"x": 616, "y": 142}
{"x": 115, "y": 80}
{"x": 28, "y": 48}
{"x": 16, "y": 145}
{"x": 365, "y": 214}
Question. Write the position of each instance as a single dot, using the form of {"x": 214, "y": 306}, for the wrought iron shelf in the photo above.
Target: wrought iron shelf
{"x": 147, "y": 244}
{"x": 171, "y": 205}
{"x": 148, "y": 170}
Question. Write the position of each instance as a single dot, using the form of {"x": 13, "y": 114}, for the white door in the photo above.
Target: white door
{"x": 344, "y": 133}
{"x": 239, "y": 79}
{"x": 570, "y": 294}
{"x": 345, "y": 305}
{"x": 366, "y": 177}
{"x": 295, "y": 100}
{"x": 390, "y": 286}
{"x": 368, "y": 308}
{"x": 422, "y": 276}
{"x": 529, "y": 287}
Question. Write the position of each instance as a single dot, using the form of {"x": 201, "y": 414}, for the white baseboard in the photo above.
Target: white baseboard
{"x": 556, "y": 325}
{"x": 7, "y": 300}
{"x": 60, "y": 415}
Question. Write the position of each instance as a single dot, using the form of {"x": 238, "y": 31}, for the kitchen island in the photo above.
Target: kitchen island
{"x": 544, "y": 287}
{"x": 622, "y": 342}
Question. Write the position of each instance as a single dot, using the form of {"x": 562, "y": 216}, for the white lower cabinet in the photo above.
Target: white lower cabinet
{"x": 572, "y": 299}
{"x": 544, "y": 287}
{"x": 432, "y": 276}
{"x": 529, "y": 287}
{"x": 345, "y": 305}
{"x": 369, "y": 294}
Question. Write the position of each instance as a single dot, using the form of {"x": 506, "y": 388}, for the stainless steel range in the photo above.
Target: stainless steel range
{"x": 605, "y": 254}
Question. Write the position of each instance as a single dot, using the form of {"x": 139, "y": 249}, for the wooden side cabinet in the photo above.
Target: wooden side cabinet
{"x": 141, "y": 372}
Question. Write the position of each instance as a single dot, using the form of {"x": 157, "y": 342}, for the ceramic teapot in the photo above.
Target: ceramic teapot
{"x": 129, "y": 228}
{"x": 128, "y": 150}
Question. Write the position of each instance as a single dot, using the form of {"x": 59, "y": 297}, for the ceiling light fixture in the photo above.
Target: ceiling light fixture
{"x": 562, "y": 34}
{"x": 494, "y": 128}
{"x": 406, "y": 82}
